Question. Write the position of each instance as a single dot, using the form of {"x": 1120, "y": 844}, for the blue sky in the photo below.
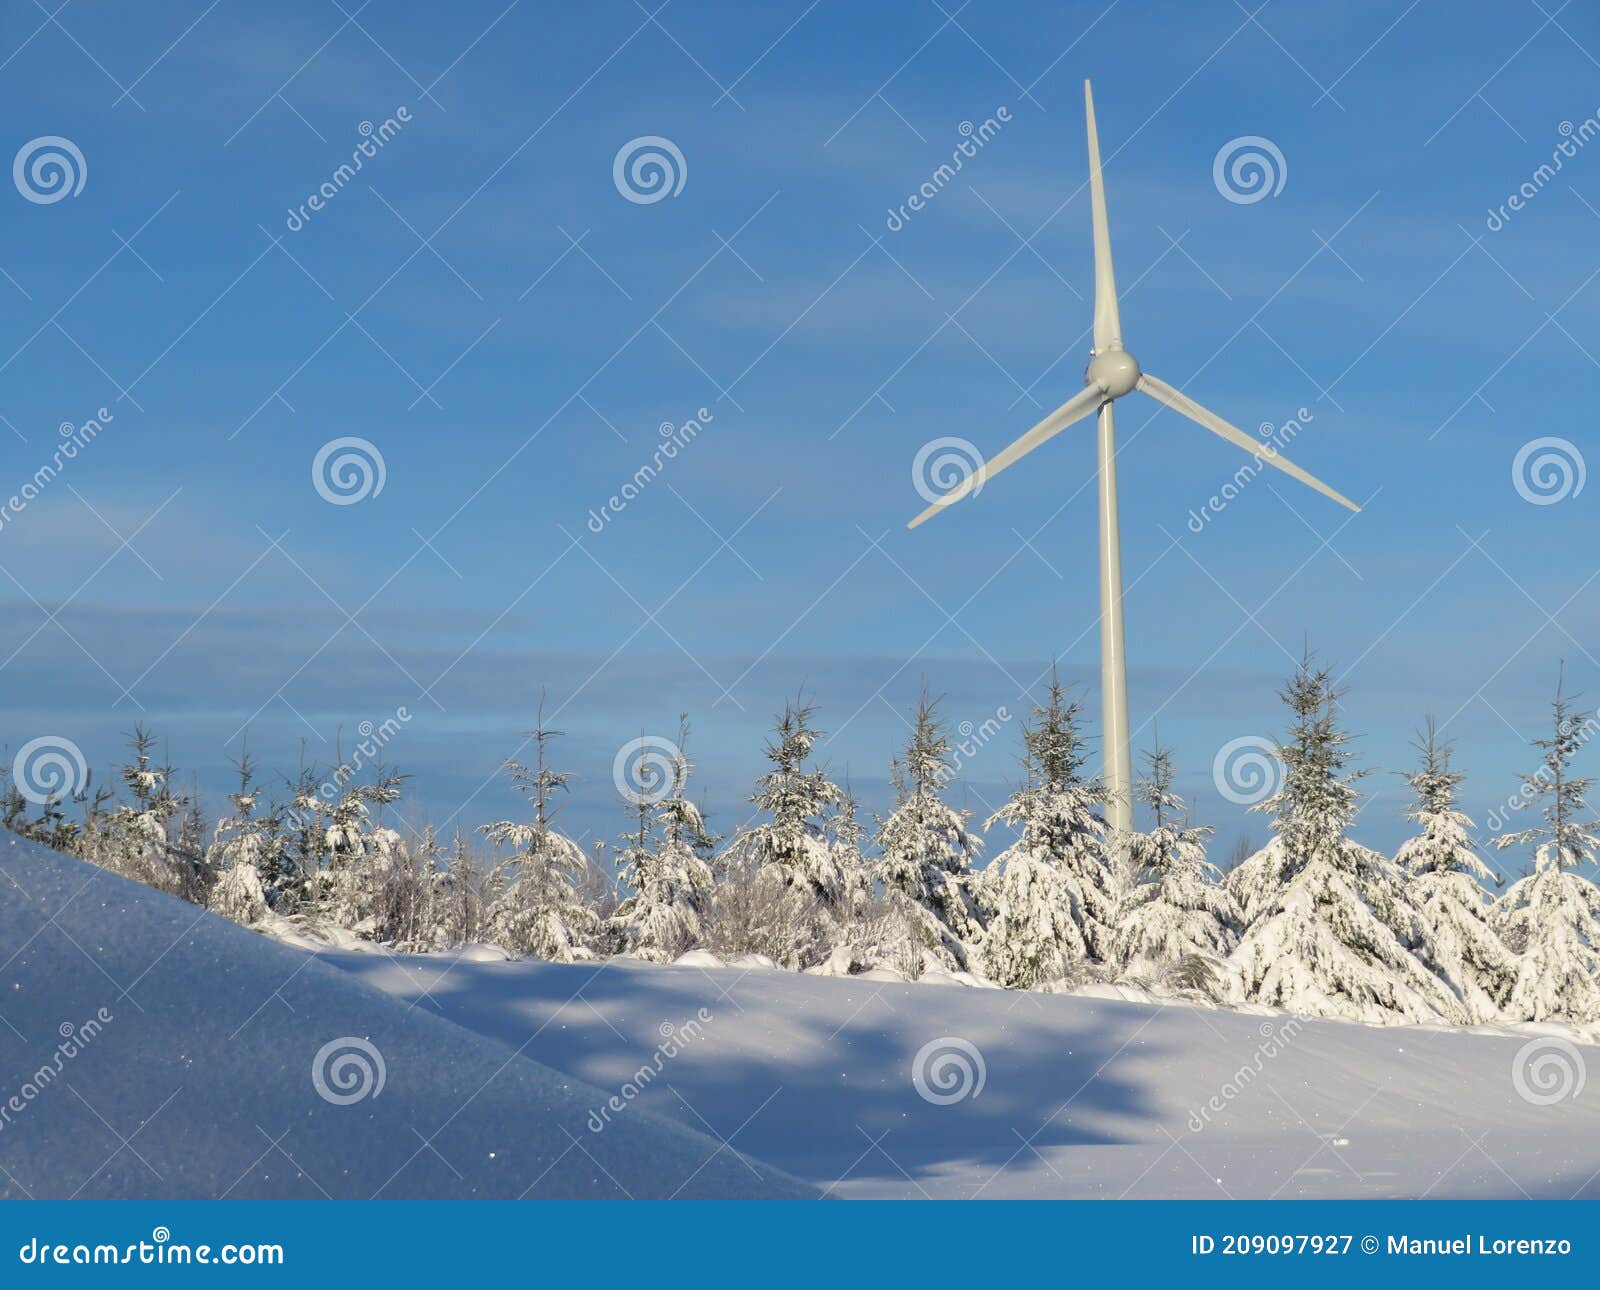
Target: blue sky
{"x": 482, "y": 304}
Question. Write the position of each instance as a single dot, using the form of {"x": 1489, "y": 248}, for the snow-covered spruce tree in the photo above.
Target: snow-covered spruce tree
{"x": 1321, "y": 910}
{"x": 663, "y": 864}
{"x": 363, "y": 859}
{"x": 244, "y": 853}
{"x": 1443, "y": 879}
{"x": 1176, "y": 926}
{"x": 1050, "y": 898}
{"x": 781, "y": 889}
{"x": 465, "y": 896}
{"x": 137, "y": 839}
{"x": 538, "y": 911}
{"x": 1551, "y": 918}
{"x": 926, "y": 849}
{"x": 794, "y": 844}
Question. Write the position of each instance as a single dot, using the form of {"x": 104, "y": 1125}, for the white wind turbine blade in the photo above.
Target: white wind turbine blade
{"x": 1074, "y": 409}
{"x": 1180, "y": 402}
{"x": 1107, "y": 326}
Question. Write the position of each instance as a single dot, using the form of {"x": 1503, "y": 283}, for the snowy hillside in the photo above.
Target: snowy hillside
{"x": 155, "y": 1050}
{"x": 1079, "y": 1097}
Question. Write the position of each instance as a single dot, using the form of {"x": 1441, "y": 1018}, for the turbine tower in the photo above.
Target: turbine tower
{"x": 1113, "y": 372}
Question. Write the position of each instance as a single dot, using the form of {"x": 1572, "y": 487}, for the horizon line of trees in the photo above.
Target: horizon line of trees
{"x": 1313, "y": 921}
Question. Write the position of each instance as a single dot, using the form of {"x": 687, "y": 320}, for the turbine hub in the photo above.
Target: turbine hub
{"x": 1114, "y": 370}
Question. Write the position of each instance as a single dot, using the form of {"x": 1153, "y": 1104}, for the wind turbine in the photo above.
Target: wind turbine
{"x": 1113, "y": 372}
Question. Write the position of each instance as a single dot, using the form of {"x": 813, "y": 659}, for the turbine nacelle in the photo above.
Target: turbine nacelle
{"x": 1115, "y": 371}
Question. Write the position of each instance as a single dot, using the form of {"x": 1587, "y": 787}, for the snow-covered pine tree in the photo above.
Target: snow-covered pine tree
{"x": 1050, "y": 894}
{"x": 663, "y": 864}
{"x": 538, "y": 911}
{"x": 1443, "y": 882}
{"x": 1551, "y": 918}
{"x": 926, "y": 849}
{"x": 1321, "y": 909}
{"x": 245, "y": 852}
{"x": 793, "y": 844}
{"x": 1177, "y": 920}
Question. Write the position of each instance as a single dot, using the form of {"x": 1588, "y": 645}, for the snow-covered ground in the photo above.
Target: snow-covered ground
{"x": 1080, "y": 1096}
{"x": 193, "y": 1070}
{"x": 152, "y": 1049}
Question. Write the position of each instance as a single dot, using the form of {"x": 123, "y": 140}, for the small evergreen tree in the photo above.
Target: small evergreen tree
{"x": 245, "y": 848}
{"x": 1051, "y": 893}
{"x": 926, "y": 848}
{"x": 793, "y": 845}
{"x": 1444, "y": 878}
{"x": 538, "y": 911}
{"x": 1177, "y": 921}
{"x": 663, "y": 864}
{"x": 138, "y": 840}
{"x": 1551, "y": 918}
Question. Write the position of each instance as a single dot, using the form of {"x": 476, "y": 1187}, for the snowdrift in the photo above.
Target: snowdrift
{"x": 155, "y": 1050}
{"x": 1047, "y": 1095}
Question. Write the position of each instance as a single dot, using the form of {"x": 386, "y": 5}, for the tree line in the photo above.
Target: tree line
{"x": 1314, "y": 921}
